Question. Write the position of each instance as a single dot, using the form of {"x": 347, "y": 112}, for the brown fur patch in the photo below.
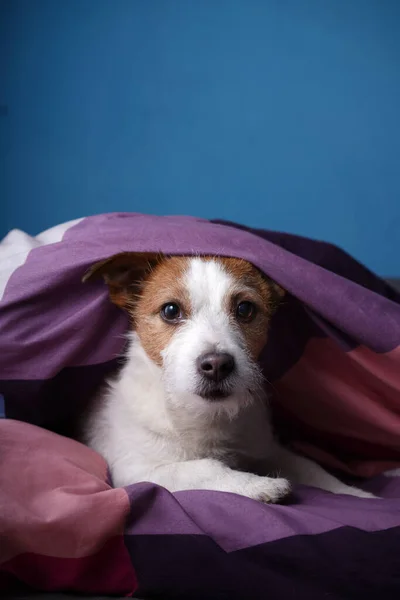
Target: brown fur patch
{"x": 164, "y": 284}
{"x": 253, "y": 286}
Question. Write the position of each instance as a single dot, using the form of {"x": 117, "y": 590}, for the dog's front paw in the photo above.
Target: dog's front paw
{"x": 268, "y": 490}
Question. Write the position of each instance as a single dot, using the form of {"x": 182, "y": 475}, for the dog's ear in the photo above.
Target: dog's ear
{"x": 279, "y": 292}
{"x": 123, "y": 274}
{"x": 276, "y": 293}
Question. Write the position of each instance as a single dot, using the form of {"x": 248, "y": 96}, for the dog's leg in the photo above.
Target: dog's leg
{"x": 207, "y": 474}
{"x": 304, "y": 471}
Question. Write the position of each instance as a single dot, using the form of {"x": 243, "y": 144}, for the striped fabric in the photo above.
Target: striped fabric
{"x": 333, "y": 358}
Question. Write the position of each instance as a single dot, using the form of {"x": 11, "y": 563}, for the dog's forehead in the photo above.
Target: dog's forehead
{"x": 212, "y": 280}
{"x": 205, "y": 280}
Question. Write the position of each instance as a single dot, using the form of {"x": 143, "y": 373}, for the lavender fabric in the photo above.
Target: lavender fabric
{"x": 333, "y": 350}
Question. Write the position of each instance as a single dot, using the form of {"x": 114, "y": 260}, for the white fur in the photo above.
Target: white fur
{"x": 150, "y": 425}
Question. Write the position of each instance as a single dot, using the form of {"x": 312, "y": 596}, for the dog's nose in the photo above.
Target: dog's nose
{"x": 215, "y": 365}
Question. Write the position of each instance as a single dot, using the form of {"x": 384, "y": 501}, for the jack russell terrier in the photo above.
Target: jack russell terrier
{"x": 188, "y": 409}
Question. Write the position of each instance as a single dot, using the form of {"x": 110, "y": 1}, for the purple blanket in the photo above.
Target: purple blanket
{"x": 333, "y": 359}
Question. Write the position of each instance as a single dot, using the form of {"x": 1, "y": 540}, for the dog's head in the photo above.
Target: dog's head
{"x": 202, "y": 320}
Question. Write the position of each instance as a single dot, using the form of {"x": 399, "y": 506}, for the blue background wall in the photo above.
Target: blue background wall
{"x": 281, "y": 114}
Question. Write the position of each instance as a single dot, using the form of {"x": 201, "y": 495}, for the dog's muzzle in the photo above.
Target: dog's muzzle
{"x": 215, "y": 369}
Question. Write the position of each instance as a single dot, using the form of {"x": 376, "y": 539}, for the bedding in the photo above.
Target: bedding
{"x": 61, "y": 524}
{"x": 333, "y": 363}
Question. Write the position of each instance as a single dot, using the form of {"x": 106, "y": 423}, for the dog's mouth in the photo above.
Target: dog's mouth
{"x": 214, "y": 392}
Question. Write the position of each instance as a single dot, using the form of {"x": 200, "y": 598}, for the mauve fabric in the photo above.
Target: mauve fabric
{"x": 61, "y": 524}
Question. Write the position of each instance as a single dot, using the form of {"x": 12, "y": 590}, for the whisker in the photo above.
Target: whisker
{"x": 271, "y": 385}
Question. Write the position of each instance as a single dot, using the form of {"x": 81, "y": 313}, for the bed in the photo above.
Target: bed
{"x": 333, "y": 358}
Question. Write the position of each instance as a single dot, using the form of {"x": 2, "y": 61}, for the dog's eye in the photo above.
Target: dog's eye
{"x": 171, "y": 312}
{"x": 245, "y": 311}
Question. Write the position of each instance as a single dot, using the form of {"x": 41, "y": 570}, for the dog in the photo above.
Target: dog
{"x": 188, "y": 409}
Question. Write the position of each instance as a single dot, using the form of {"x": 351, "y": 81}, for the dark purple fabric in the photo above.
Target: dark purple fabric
{"x": 55, "y": 403}
{"x": 194, "y": 545}
{"x": 235, "y": 522}
{"x": 344, "y": 564}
